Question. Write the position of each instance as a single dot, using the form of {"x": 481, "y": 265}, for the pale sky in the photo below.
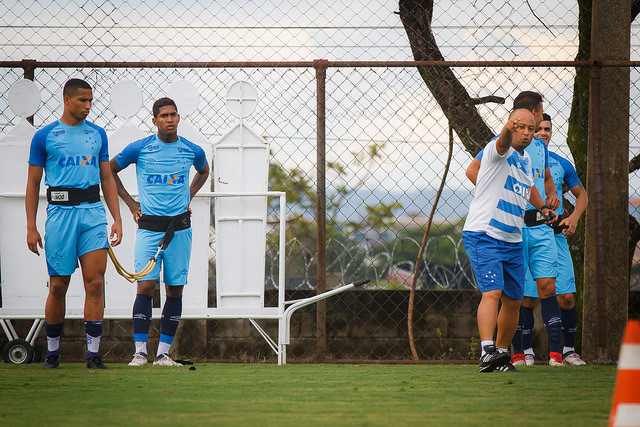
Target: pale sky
{"x": 364, "y": 106}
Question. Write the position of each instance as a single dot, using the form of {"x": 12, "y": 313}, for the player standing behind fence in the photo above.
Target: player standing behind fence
{"x": 493, "y": 238}
{"x": 162, "y": 163}
{"x": 74, "y": 155}
{"x": 562, "y": 171}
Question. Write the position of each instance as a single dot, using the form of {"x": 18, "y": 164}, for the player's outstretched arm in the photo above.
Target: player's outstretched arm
{"x": 32, "y": 194}
{"x": 111, "y": 198}
{"x": 503, "y": 143}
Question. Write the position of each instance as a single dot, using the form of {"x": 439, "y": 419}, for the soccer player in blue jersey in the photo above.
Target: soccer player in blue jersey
{"x": 540, "y": 255}
{"x": 162, "y": 163}
{"x": 564, "y": 177}
{"x": 73, "y": 154}
{"x": 492, "y": 235}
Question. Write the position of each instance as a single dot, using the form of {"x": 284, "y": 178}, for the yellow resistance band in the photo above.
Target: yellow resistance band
{"x": 132, "y": 277}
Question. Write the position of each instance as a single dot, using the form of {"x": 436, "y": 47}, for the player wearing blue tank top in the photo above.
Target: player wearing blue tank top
{"x": 538, "y": 242}
{"x": 163, "y": 162}
{"x": 73, "y": 154}
{"x": 492, "y": 238}
{"x": 565, "y": 176}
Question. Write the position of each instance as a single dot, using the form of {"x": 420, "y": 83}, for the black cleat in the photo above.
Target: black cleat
{"x": 96, "y": 363}
{"x": 51, "y": 362}
{"x": 492, "y": 359}
{"x": 508, "y": 367}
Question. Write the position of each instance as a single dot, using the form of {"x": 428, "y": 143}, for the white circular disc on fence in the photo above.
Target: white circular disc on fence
{"x": 186, "y": 96}
{"x": 126, "y": 99}
{"x": 24, "y": 98}
{"x": 242, "y": 99}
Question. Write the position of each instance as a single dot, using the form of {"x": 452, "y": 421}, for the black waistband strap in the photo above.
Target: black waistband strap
{"x": 73, "y": 196}
{"x": 162, "y": 223}
{"x": 533, "y": 217}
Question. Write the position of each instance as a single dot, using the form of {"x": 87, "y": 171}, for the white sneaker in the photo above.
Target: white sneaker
{"x": 529, "y": 359}
{"x": 572, "y": 358}
{"x": 165, "y": 360}
{"x": 139, "y": 359}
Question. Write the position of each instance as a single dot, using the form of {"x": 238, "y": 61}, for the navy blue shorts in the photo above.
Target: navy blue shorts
{"x": 496, "y": 264}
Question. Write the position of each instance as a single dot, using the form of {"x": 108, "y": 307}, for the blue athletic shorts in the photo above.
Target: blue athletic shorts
{"x": 72, "y": 231}
{"x": 540, "y": 256}
{"x": 496, "y": 264}
{"x": 175, "y": 258}
{"x": 566, "y": 280}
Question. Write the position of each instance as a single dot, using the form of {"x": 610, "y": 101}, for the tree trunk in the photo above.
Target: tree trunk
{"x": 606, "y": 269}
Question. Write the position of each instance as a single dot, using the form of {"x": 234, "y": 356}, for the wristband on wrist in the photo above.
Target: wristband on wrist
{"x": 544, "y": 207}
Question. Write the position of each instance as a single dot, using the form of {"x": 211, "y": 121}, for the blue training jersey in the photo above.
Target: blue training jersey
{"x": 70, "y": 155}
{"x": 539, "y": 155}
{"x": 162, "y": 172}
{"x": 562, "y": 171}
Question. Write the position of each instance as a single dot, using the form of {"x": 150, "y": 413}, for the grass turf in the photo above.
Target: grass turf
{"x": 295, "y": 394}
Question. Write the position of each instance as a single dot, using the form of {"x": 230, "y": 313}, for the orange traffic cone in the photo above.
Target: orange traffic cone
{"x": 625, "y": 410}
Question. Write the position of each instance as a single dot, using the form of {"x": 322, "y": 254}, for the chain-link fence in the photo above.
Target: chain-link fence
{"x": 385, "y": 147}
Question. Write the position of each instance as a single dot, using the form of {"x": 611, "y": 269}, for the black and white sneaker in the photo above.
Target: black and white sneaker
{"x": 95, "y": 363}
{"x": 51, "y": 362}
{"x": 508, "y": 367}
{"x": 493, "y": 358}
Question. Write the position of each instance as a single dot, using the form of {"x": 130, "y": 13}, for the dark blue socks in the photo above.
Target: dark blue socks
{"x": 551, "y": 317}
{"x": 53, "y": 338}
{"x": 569, "y": 325}
{"x": 516, "y": 342}
{"x": 527, "y": 327}
{"x": 142, "y": 307}
{"x": 94, "y": 332}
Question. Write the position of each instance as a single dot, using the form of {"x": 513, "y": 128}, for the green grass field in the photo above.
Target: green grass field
{"x": 297, "y": 394}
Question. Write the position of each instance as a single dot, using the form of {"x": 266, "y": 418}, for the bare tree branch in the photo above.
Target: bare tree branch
{"x": 539, "y": 20}
{"x": 450, "y": 94}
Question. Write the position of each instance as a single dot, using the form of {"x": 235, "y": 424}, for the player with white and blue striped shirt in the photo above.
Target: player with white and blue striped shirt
{"x": 163, "y": 162}
{"x": 492, "y": 234}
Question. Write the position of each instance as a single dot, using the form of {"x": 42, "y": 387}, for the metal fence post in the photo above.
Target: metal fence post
{"x": 320, "y": 66}
{"x": 29, "y": 67}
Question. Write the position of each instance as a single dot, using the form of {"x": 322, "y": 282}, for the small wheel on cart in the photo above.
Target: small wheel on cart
{"x": 18, "y": 352}
{"x": 37, "y": 354}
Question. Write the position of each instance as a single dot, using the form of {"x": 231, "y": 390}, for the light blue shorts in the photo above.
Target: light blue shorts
{"x": 566, "y": 280}
{"x": 540, "y": 256}
{"x": 496, "y": 264}
{"x": 72, "y": 231}
{"x": 175, "y": 258}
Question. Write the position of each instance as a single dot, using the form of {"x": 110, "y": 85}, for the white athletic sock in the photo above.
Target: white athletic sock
{"x": 528, "y": 351}
{"x": 483, "y": 344}
{"x": 141, "y": 347}
{"x": 567, "y": 349}
{"x": 163, "y": 347}
{"x": 501, "y": 350}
